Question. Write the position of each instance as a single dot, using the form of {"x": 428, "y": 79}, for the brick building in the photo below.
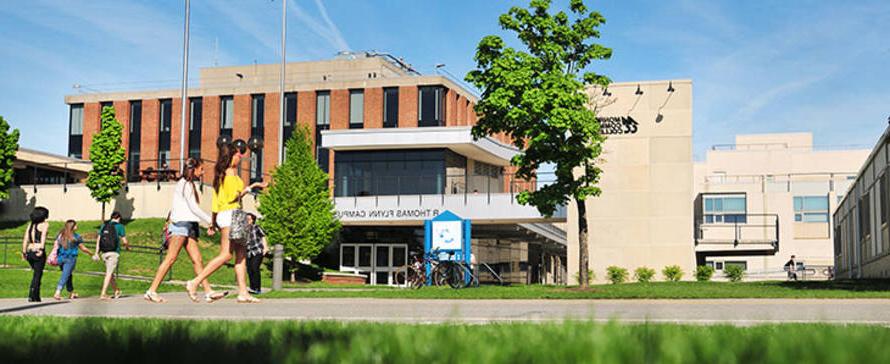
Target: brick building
{"x": 396, "y": 143}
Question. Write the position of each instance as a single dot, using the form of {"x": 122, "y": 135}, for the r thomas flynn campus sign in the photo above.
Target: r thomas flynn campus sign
{"x": 387, "y": 214}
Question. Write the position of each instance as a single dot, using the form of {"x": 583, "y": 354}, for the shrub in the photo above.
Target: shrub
{"x": 644, "y": 274}
{"x": 616, "y": 274}
{"x": 703, "y": 273}
{"x": 590, "y": 277}
{"x": 672, "y": 273}
{"x": 734, "y": 273}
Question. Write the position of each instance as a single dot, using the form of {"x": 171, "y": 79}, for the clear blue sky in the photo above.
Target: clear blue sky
{"x": 757, "y": 66}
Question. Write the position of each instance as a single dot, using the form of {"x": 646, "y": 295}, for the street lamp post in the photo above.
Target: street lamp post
{"x": 185, "y": 77}
{"x": 281, "y": 119}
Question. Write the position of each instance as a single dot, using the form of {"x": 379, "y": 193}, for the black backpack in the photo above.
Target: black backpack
{"x": 108, "y": 239}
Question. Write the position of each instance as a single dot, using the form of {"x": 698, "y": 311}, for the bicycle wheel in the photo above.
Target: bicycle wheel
{"x": 440, "y": 275}
{"x": 415, "y": 279}
{"x": 402, "y": 278}
{"x": 455, "y": 276}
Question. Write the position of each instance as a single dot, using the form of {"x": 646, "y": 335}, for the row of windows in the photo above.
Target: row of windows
{"x": 732, "y": 209}
{"x": 431, "y": 106}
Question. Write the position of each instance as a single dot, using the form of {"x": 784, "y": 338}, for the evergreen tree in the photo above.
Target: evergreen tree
{"x": 537, "y": 97}
{"x": 9, "y": 145}
{"x": 107, "y": 154}
{"x": 297, "y": 208}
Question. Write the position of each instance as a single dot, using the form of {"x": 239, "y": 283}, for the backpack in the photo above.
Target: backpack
{"x": 108, "y": 239}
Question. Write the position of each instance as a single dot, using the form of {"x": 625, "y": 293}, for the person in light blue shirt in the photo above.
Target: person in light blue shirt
{"x": 69, "y": 242}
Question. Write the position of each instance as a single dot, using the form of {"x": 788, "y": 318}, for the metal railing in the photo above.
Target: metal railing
{"x": 744, "y": 229}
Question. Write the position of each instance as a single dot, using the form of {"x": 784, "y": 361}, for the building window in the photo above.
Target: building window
{"x": 725, "y": 209}
{"x": 390, "y": 172}
{"x": 226, "y": 115}
{"x": 391, "y": 107}
{"x": 256, "y": 166}
{"x": 356, "y": 109}
{"x": 885, "y": 197}
{"x": 322, "y": 122}
{"x": 290, "y": 118}
{"x": 740, "y": 263}
{"x": 166, "y": 120}
{"x": 75, "y": 131}
{"x": 865, "y": 217}
{"x": 196, "y": 112}
{"x": 431, "y": 106}
{"x": 811, "y": 208}
{"x": 257, "y": 120}
{"x": 135, "y": 139}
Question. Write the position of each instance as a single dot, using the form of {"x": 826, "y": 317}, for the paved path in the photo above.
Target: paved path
{"x": 731, "y": 311}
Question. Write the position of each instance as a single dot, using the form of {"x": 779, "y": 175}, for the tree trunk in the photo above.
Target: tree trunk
{"x": 583, "y": 256}
{"x": 103, "y": 212}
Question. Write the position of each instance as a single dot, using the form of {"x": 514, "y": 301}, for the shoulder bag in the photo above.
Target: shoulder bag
{"x": 239, "y": 232}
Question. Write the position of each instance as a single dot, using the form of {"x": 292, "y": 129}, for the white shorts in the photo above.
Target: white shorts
{"x": 224, "y": 219}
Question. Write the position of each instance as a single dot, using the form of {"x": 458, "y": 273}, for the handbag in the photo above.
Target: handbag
{"x": 53, "y": 258}
{"x": 239, "y": 231}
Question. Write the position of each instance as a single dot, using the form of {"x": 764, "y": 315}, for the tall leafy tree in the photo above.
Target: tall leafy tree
{"x": 9, "y": 145}
{"x": 297, "y": 208}
{"x": 537, "y": 97}
{"x": 107, "y": 154}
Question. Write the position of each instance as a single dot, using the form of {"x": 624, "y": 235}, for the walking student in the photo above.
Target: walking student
{"x": 108, "y": 247}
{"x": 791, "y": 268}
{"x": 184, "y": 230}
{"x": 228, "y": 189}
{"x": 69, "y": 242}
{"x": 257, "y": 247}
{"x": 34, "y": 251}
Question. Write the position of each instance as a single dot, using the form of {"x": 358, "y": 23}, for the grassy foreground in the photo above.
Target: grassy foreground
{"x": 126, "y": 340}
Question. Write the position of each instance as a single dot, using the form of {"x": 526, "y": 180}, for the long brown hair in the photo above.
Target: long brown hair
{"x": 67, "y": 234}
{"x": 191, "y": 165}
{"x": 223, "y": 162}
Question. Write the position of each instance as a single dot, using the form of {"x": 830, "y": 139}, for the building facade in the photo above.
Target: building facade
{"x": 397, "y": 145}
{"x": 767, "y": 197}
{"x": 860, "y": 224}
{"x": 644, "y": 215}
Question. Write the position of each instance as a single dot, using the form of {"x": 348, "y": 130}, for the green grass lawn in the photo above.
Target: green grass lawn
{"x": 150, "y": 340}
{"x": 141, "y": 232}
{"x": 655, "y": 290}
{"x": 14, "y": 284}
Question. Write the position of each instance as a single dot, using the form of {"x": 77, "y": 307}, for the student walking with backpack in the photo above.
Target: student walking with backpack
{"x": 69, "y": 242}
{"x": 34, "y": 251}
{"x": 228, "y": 189}
{"x": 182, "y": 225}
{"x": 108, "y": 248}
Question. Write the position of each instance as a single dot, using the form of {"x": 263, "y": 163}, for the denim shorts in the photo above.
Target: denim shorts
{"x": 187, "y": 229}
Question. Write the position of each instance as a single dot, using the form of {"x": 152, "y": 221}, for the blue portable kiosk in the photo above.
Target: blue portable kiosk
{"x": 448, "y": 234}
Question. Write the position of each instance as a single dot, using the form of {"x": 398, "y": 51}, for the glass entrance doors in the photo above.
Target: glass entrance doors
{"x": 378, "y": 262}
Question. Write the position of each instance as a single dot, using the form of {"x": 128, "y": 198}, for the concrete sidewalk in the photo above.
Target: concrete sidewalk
{"x": 728, "y": 311}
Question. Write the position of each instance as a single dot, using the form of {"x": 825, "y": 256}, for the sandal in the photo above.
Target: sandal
{"x": 57, "y": 296}
{"x": 104, "y": 298}
{"x": 73, "y": 295}
{"x": 153, "y": 297}
{"x": 215, "y": 296}
{"x": 117, "y": 294}
{"x": 190, "y": 288}
{"x": 248, "y": 299}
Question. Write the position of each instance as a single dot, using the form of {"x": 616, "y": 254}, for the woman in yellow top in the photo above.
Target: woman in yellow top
{"x": 228, "y": 189}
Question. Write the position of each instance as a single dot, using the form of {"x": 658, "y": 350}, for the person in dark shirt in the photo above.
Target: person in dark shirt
{"x": 791, "y": 268}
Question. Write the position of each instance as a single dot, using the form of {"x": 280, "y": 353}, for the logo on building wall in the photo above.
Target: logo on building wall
{"x": 617, "y": 125}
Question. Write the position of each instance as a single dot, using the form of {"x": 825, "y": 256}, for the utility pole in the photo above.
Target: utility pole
{"x": 185, "y": 77}
{"x": 281, "y": 119}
